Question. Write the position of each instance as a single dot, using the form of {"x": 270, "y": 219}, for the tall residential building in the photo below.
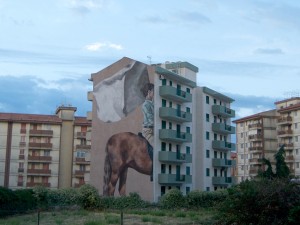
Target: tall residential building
{"x": 288, "y": 128}
{"x": 262, "y": 134}
{"x": 256, "y": 139}
{"x": 48, "y": 150}
{"x": 187, "y": 126}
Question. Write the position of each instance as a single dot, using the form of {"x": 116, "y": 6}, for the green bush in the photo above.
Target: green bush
{"x": 261, "y": 201}
{"x": 88, "y": 197}
{"x": 172, "y": 199}
{"x": 203, "y": 199}
{"x": 63, "y": 197}
{"x": 133, "y": 201}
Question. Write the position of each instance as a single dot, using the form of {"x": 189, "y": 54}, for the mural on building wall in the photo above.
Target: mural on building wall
{"x": 117, "y": 96}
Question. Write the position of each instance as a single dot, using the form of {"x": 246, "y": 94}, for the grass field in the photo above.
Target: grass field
{"x": 137, "y": 217}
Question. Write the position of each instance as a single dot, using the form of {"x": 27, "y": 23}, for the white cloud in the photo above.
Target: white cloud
{"x": 104, "y": 45}
{"x": 87, "y": 4}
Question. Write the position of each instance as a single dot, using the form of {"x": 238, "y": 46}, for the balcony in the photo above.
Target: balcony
{"x": 285, "y": 120}
{"x": 81, "y": 161}
{"x": 33, "y": 145}
{"x": 22, "y": 131}
{"x": 256, "y": 148}
{"x": 255, "y": 137}
{"x": 223, "y": 162}
{"x": 80, "y": 173}
{"x": 223, "y": 128}
{"x": 221, "y": 181}
{"x": 286, "y": 145}
{"x": 174, "y": 157}
{"x": 83, "y": 147}
{"x": 285, "y": 133}
{"x": 21, "y": 157}
{"x": 174, "y": 94}
{"x": 41, "y": 133}
{"x": 289, "y": 158}
{"x": 255, "y": 126}
{"x": 254, "y": 171}
{"x": 175, "y": 115}
{"x": 81, "y": 135}
{"x": 39, "y": 172}
{"x": 39, "y": 158}
{"x": 255, "y": 161}
{"x": 223, "y": 145}
{"x": 33, "y": 184}
{"x": 174, "y": 179}
{"x": 174, "y": 136}
{"x": 22, "y": 144}
{"x": 20, "y": 184}
{"x": 223, "y": 111}
{"x": 21, "y": 170}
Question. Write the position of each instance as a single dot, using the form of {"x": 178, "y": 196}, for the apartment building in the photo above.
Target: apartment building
{"x": 190, "y": 131}
{"x": 288, "y": 131}
{"x": 262, "y": 134}
{"x": 256, "y": 139}
{"x": 48, "y": 150}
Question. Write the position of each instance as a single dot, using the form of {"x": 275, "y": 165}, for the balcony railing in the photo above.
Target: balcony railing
{"x": 253, "y": 171}
{"x": 286, "y": 145}
{"x": 285, "y": 119}
{"x": 256, "y": 148}
{"x": 223, "y": 162}
{"x": 175, "y": 115}
{"x": 174, "y": 157}
{"x": 174, "y": 136}
{"x": 33, "y": 184}
{"x": 21, "y": 157}
{"x": 285, "y": 132}
{"x": 221, "y": 181}
{"x": 40, "y": 158}
{"x": 83, "y": 147}
{"x": 174, "y": 179}
{"x": 33, "y": 145}
{"x": 223, "y": 111}
{"x": 81, "y": 134}
{"x": 289, "y": 158}
{"x": 39, "y": 172}
{"x": 223, "y": 128}
{"x": 81, "y": 161}
{"x": 80, "y": 173}
{"x": 255, "y": 137}
{"x": 255, "y": 126}
{"x": 42, "y": 133}
{"x": 223, "y": 145}
{"x": 255, "y": 161}
{"x": 175, "y": 94}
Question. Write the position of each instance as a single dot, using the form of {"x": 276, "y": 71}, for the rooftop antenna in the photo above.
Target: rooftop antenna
{"x": 149, "y": 58}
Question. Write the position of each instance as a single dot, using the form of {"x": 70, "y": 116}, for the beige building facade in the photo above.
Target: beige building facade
{"x": 190, "y": 137}
{"x": 261, "y": 135}
{"x": 48, "y": 150}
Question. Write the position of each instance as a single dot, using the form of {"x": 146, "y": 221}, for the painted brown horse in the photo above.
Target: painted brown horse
{"x": 123, "y": 151}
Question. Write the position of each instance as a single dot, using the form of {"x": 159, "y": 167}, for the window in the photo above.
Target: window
{"x": 207, "y": 172}
{"x": 188, "y": 90}
{"x": 207, "y": 135}
{"x": 188, "y": 150}
{"x": 22, "y": 138}
{"x": 241, "y": 124}
{"x": 22, "y": 151}
{"x": 297, "y": 151}
{"x": 297, "y": 165}
{"x": 170, "y": 169}
{"x": 82, "y": 167}
{"x": 163, "y": 190}
{"x": 207, "y": 99}
{"x": 215, "y": 101}
{"x": 215, "y": 172}
{"x": 21, "y": 165}
{"x": 80, "y": 154}
{"x": 207, "y": 117}
{"x": 207, "y": 188}
{"x": 163, "y": 124}
{"x": 170, "y": 147}
{"x": 188, "y": 110}
{"x": 295, "y": 113}
{"x": 242, "y": 135}
{"x": 296, "y": 138}
{"x": 170, "y": 125}
{"x": 188, "y": 130}
{"x": 242, "y": 145}
{"x": 170, "y": 83}
{"x": 163, "y": 146}
{"x": 163, "y": 102}
{"x": 163, "y": 82}
{"x": 187, "y": 190}
{"x": 215, "y": 136}
{"x": 215, "y": 154}
{"x": 163, "y": 168}
{"x": 242, "y": 156}
{"x": 170, "y": 104}
{"x": 207, "y": 153}
{"x": 47, "y": 153}
{"x": 188, "y": 170}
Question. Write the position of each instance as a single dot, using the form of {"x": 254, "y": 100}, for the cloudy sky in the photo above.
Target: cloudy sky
{"x": 246, "y": 49}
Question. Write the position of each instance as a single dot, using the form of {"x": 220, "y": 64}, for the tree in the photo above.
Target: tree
{"x": 282, "y": 170}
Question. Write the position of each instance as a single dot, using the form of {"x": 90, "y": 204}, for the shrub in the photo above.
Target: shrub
{"x": 63, "y": 197}
{"x": 88, "y": 197}
{"x": 41, "y": 195}
{"x": 203, "y": 199}
{"x": 261, "y": 202}
{"x": 172, "y": 199}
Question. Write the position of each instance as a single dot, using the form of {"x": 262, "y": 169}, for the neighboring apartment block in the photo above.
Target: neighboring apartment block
{"x": 261, "y": 135}
{"x": 189, "y": 129}
{"x": 48, "y": 150}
